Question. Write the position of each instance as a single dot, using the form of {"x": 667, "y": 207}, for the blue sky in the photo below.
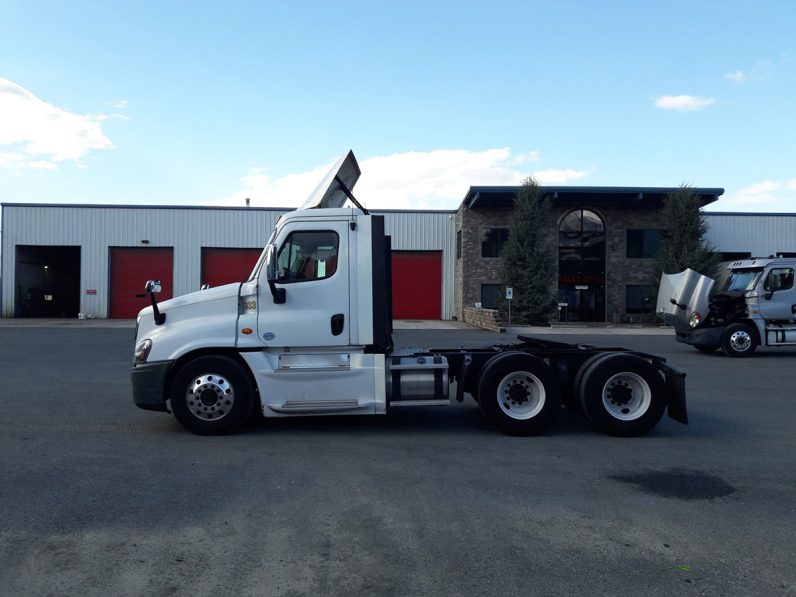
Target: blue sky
{"x": 201, "y": 103}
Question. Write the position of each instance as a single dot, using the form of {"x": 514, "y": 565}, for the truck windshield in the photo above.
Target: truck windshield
{"x": 742, "y": 279}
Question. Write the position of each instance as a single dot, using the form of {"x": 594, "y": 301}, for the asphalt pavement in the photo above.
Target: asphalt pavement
{"x": 98, "y": 497}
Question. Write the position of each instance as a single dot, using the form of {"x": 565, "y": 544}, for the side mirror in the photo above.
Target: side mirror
{"x": 152, "y": 286}
{"x": 768, "y": 295}
{"x": 278, "y": 294}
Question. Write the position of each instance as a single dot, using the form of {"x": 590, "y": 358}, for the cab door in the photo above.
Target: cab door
{"x": 313, "y": 269}
{"x": 778, "y": 299}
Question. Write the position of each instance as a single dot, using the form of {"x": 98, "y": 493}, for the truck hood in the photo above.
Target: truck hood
{"x": 213, "y": 311}
{"x": 680, "y": 295}
{"x": 194, "y": 298}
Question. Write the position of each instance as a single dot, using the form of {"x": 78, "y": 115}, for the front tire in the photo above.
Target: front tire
{"x": 738, "y": 340}
{"x": 212, "y": 395}
{"x": 519, "y": 394}
{"x": 622, "y": 395}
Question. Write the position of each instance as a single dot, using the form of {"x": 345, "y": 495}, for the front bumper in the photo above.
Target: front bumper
{"x": 701, "y": 337}
{"x": 149, "y": 385}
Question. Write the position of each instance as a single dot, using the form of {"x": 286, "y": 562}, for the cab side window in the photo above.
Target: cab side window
{"x": 307, "y": 255}
{"x": 780, "y": 278}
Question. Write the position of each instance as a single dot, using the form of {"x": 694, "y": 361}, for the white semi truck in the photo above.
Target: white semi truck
{"x": 310, "y": 333}
{"x": 755, "y": 305}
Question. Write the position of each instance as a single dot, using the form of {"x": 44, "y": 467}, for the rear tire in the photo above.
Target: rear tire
{"x": 212, "y": 395}
{"x": 622, "y": 395}
{"x": 738, "y": 340}
{"x": 519, "y": 394}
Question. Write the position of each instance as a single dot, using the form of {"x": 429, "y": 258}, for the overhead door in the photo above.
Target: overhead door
{"x": 417, "y": 284}
{"x": 131, "y": 267}
{"x": 223, "y": 266}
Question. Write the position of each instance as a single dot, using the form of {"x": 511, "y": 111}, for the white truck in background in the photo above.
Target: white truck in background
{"x": 310, "y": 333}
{"x": 755, "y": 305}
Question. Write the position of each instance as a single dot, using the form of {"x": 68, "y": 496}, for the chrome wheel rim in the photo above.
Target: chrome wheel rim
{"x": 626, "y": 396}
{"x": 521, "y": 395}
{"x": 210, "y": 397}
{"x": 740, "y": 341}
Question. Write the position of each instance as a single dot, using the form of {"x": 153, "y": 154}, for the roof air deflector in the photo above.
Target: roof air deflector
{"x": 336, "y": 186}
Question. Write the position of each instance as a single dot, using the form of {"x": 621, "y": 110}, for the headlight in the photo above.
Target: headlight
{"x": 142, "y": 351}
{"x": 695, "y": 319}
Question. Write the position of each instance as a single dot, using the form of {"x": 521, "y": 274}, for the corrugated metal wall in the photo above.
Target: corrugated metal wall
{"x": 427, "y": 231}
{"x": 95, "y": 229}
{"x": 187, "y": 230}
{"x": 759, "y": 234}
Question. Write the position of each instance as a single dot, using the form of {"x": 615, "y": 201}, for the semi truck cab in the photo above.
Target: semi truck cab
{"x": 310, "y": 333}
{"x": 753, "y": 305}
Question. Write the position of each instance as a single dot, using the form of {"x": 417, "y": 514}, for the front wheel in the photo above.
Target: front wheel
{"x": 519, "y": 393}
{"x": 622, "y": 395}
{"x": 738, "y": 340}
{"x": 212, "y": 395}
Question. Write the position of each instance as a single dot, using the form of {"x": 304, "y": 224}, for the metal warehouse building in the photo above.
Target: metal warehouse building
{"x": 61, "y": 260}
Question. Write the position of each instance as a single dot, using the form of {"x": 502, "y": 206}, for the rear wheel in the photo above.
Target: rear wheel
{"x": 211, "y": 395}
{"x": 738, "y": 340}
{"x": 622, "y": 395}
{"x": 519, "y": 394}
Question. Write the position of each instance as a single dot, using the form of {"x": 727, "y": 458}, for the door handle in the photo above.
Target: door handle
{"x": 140, "y": 296}
{"x": 338, "y": 323}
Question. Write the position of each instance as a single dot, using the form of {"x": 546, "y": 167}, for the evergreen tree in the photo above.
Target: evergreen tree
{"x": 529, "y": 264}
{"x": 684, "y": 245}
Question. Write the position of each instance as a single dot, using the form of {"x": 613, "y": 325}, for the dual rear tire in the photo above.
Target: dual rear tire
{"x": 620, "y": 394}
{"x": 519, "y": 394}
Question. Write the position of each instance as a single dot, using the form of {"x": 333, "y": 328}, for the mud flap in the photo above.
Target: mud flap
{"x": 675, "y": 392}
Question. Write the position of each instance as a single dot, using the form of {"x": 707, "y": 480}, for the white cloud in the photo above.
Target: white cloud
{"x": 763, "y": 196}
{"x": 761, "y": 71}
{"x": 560, "y": 177}
{"x": 38, "y": 133}
{"x": 437, "y": 179}
{"x": 737, "y": 77}
{"x": 683, "y": 103}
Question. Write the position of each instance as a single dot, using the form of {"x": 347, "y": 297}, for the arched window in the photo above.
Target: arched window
{"x": 581, "y": 266}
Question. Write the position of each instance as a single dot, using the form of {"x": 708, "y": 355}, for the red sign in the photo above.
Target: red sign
{"x": 91, "y": 291}
{"x": 595, "y": 280}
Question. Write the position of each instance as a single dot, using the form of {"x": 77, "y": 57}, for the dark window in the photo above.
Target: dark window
{"x": 643, "y": 243}
{"x": 785, "y": 254}
{"x": 458, "y": 244}
{"x": 737, "y": 256}
{"x": 306, "y": 256}
{"x": 638, "y": 299}
{"x": 489, "y": 295}
{"x": 581, "y": 266}
{"x": 492, "y": 241}
{"x": 780, "y": 278}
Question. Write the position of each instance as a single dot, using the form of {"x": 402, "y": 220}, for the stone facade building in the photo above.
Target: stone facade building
{"x": 607, "y": 238}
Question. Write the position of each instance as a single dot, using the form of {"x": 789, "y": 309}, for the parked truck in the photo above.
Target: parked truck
{"x": 754, "y": 305}
{"x": 310, "y": 333}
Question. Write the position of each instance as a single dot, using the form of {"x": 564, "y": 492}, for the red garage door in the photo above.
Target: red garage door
{"x": 131, "y": 267}
{"x": 223, "y": 266}
{"x": 416, "y": 284}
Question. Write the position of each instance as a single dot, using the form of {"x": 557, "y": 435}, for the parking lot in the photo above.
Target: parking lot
{"x": 99, "y": 497}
